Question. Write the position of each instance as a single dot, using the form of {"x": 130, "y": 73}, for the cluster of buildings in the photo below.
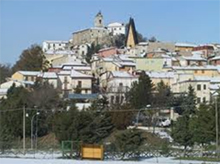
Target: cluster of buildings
{"x": 113, "y": 70}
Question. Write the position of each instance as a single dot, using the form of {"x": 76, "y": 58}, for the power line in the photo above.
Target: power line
{"x": 119, "y": 110}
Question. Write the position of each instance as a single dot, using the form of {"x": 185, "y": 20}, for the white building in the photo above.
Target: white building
{"x": 116, "y": 28}
{"x": 118, "y": 84}
{"x": 50, "y": 77}
{"x": 70, "y": 80}
{"x": 6, "y": 85}
{"x": 81, "y": 49}
{"x": 54, "y": 45}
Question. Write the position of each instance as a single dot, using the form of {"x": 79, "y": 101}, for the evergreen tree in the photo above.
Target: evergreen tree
{"x": 91, "y": 51}
{"x": 189, "y": 104}
{"x": 122, "y": 117}
{"x": 11, "y": 118}
{"x": 100, "y": 104}
{"x": 182, "y": 132}
{"x": 44, "y": 95}
{"x": 82, "y": 126}
{"x": 163, "y": 95}
{"x": 152, "y": 39}
{"x": 5, "y": 71}
{"x": 202, "y": 125}
{"x": 129, "y": 142}
{"x": 177, "y": 103}
{"x": 119, "y": 41}
{"x": 140, "y": 93}
{"x": 100, "y": 128}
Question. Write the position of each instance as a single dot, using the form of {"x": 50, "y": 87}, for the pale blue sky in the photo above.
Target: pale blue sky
{"x": 27, "y": 22}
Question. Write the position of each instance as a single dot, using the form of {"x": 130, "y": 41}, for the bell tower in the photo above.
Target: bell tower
{"x": 98, "y": 22}
{"x": 131, "y": 36}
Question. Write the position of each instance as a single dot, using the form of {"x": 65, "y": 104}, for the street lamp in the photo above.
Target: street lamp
{"x": 137, "y": 117}
{"x": 32, "y": 120}
{"x": 215, "y": 94}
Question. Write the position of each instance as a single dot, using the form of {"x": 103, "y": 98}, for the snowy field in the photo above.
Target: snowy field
{"x": 64, "y": 161}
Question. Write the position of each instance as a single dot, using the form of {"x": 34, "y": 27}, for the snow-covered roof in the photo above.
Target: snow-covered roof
{"x": 195, "y": 58}
{"x": 92, "y": 28}
{"x": 143, "y": 43}
{"x": 48, "y": 75}
{"x": 127, "y": 63}
{"x": 73, "y": 64}
{"x": 160, "y": 74}
{"x": 202, "y": 78}
{"x": 165, "y": 56}
{"x": 120, "y": 64}
{"x": 185, "y": 45}
{"x": 85, "y": 68}
{"x": 207, "y": 67}
{"x": 29, "y": 73}
{"x": 59, "y": 52}
{"x": 107, "y": 48}
{"x": 56, "y": 41}
{"x": 75, "y": 74}
{"x": 122, "y": 74}
{"x": 215, "y": 80}
{"x": 8, "y": 84}
{"x": 124, "y": 57}
{"x": 115, "y": 24}
{"x": 215, "y": 58}
{"x": 3, "y": 90}
{"x": 64, "y": 73}
{"x": 206, "y": 78}
{"x": 108, "y": 59}
{"x": 214, "y": 86}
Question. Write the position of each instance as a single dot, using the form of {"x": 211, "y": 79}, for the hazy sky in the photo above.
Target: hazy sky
{"x": 23, "y": 23}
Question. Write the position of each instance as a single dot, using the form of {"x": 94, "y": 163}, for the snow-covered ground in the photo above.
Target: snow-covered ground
{"x": 64, "y": 161}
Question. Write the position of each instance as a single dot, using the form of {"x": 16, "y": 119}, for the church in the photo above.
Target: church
{"x": 98, "y": 34}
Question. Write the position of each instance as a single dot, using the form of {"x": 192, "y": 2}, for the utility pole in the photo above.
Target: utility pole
{"x": 24, "y": 115}
{"x": 216, "y": 125}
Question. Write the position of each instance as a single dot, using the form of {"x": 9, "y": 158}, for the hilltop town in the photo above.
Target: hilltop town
{"x": 102, "y": 66}
{"x": 114, "y": 67}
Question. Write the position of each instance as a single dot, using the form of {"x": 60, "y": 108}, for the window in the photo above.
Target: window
{"x": 86, "y": 90}
{"x": 196, "y": 71}
{"x": 204, "y": 100}
{"x": 117, "y": 99}
{"x": 120, "y": 84}
{"x": 198, "y": 99}
{"x": 203, "y": 71}
{"x": 204, "y": 87}
{"x": 100, "y": 21}
{"x": 59, "y": 44}
{"x": 112, "y": 99}
{"x": 120, "y": 28}
{"x": 26, "y": 78}
{"x": 32, "y": 78}
{"x": 83, "y": 52}
{"x": 188, "y": 62}
{"x": 80, "y": 84}
{"x": 122, "y": 99}
{"x": 198, "y": 87}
